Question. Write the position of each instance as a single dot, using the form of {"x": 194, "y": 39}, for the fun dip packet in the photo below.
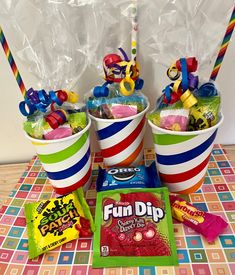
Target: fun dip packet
{"x": 51, "y": 223}
{"x": 133, "y": 228}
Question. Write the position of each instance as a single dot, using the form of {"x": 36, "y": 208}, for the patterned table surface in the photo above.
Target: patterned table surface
{"x": 195, "y": 255}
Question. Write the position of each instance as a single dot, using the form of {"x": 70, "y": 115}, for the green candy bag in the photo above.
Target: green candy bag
{"x": 77, "y": 121}
{"x": 204, "y": 114}
{"x": 51, "y": 223}
{"x": 134, "y": 228}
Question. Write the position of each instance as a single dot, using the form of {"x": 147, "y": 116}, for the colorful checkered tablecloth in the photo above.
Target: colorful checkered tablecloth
{"x": 196, "y": 256}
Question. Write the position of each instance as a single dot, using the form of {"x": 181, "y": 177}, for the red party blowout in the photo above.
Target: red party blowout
{"x": 134, "y": 228}
{"x": 191, "y": 64}
{"x": 209, "y": 225}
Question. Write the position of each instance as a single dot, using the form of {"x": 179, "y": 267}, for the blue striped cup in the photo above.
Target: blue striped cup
{"x": 121, "y": 140}
{"x": 67, "y": 161}
{"x": 183, "y": 157}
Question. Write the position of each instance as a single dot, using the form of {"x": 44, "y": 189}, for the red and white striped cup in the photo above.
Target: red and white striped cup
{"x": 121, "y": 140}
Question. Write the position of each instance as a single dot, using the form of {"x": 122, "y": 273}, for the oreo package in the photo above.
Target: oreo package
{"x": 128, "y": 177}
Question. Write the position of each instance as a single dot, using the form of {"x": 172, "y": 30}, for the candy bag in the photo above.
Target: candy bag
{"x": 205, "y": 113}
{"x": 51, "y": 223}
{"x": 77, "y": 121}
{"x": 115, "y": 105}
{"x": 35, "y": 126}
{"x": 207, "y": 224}
{"x": 134, "y": 228}
{"x": 128, "y": 177}
{"x": 58, "y": 133}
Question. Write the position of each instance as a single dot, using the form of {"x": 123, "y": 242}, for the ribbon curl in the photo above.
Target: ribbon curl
{"x": 40, "y": 100}
{"x": 181, "y": 88}
{"x": 119, "y": 70}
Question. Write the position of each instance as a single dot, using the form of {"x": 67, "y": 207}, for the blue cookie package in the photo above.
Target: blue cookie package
{"x": 128, "y": 177}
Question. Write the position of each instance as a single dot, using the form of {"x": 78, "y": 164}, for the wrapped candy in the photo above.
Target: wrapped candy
{"x": 207, "y": 224}
{"x": 134, "y": 227}
{"x": 53, "y": 222}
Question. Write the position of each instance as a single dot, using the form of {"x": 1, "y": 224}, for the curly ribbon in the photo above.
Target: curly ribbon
{"x": 193, "y": 81}
{"x": 180, "y": 89}
{"x": 207, "y": 89}
{"x": 173, "y": 73}
{"x": 127, "y": 85}
{"x": 101, "y": 91}
{"x": 56, "y": 118}
{"x": 187, "y": 97}
{"x": 40, "y": 100}
{"x": 118, "y": 70}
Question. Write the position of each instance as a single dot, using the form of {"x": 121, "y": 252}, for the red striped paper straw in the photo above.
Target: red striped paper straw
{"x": 224, "y": 46}
{"x": 12, "y": 63}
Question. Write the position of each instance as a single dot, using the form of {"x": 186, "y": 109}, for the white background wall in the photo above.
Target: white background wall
{"x": 14, "y": 147}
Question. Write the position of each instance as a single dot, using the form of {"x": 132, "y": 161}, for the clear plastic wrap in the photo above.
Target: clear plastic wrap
{"x": 89, "y": 29}
{"x": 184, "y": 28}
{"x": 58, "y": 39}
{"x": 51, "y": 38}
{"x": 186, "y": 37}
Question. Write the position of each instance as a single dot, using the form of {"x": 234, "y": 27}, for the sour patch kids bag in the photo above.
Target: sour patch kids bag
{"x": 53, "y": 222}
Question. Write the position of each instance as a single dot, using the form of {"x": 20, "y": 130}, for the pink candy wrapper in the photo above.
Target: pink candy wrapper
{"x": 209, "y": 225}
{"x": 175, "y": 120}
{"x": 58, "y": 133}
{"x": 120, "y": 111}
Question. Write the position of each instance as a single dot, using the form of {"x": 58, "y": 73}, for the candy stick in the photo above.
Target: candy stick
{"x": 224, "y": 46}
{"x": 12, "y": 63}
{"x": 134, "y": 30}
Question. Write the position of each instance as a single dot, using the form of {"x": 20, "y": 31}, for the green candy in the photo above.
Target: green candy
{"x": 35, "y": 127}
{"x": 204, "y": 114}
{"x": 77, "y": 121}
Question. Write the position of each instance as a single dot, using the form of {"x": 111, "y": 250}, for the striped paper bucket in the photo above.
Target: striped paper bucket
{"x": 121, "y": 140}
{"x": 67, "y": 161}
{"x": 183, "y": 157}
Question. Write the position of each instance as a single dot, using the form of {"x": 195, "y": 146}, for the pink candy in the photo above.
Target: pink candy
{"x": 120, "y": 111}
{"x": 209, "y": 225}
{"x": 175, "y": 120}
{"x": 58, "y": 133}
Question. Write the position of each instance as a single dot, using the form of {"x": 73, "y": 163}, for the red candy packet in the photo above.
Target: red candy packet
{"x": 134, "y": 228}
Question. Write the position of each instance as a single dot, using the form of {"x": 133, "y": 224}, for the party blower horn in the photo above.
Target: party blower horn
{"x": 67, "y": 161}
